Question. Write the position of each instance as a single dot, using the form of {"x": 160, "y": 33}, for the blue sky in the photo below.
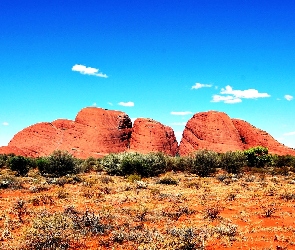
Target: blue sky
{"x": 164, "y": 60}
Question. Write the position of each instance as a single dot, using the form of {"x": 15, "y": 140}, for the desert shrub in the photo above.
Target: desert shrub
{"x": 151, "y": 164}
{"x": 283, "y": 160}
{"x": 3, "y": 160}
{"x": 179, "y": 163}
{"x": 50, "y": 231}
{"x": 188, "y": 238}
{"x": 134, "y": 177}
{"x": 258, "y": 157}
{"x": 204, "y": 163}
{"x": 168, "y": 180}
{"x": 90, "y": 164}
{"x": 20, "y": 164}
{"x": 59, "y": 163}
{"x": 8, "y": 181}
{"x": 232, "y": 162}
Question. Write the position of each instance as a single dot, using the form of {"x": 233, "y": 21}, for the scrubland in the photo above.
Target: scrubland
{"x": 179, "y": 208}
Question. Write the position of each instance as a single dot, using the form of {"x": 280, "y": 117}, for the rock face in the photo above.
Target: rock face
{"x": 210, "y": 130}
{"x": 252, "y": 136}
{"x": 216, "y": 131}
{"x": 95, "y": 132}
{"x": 151, "y": 136}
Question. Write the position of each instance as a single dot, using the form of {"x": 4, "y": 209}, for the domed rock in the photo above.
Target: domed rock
{"x": 95, "y": 132}
{"x": 210, "y": 130}
{"x": 151, "y": 136}
{"x": 252, "y": 137}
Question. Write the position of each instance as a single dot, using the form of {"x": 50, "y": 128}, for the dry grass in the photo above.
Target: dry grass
{"x": 172, "y": 211}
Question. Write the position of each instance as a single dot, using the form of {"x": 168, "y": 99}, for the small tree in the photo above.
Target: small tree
{"x": 257, "y": 156}
{"x": 204, "y": 163}
{"x": 59, "y": 163}
{"x": 20, "y": 164}
{"x": 232, "y": 162}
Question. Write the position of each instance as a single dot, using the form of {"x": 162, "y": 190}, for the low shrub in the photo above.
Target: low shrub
{"x": 232, "y": 162}
{"x": 204, "y": 163}
{"x": 168, "y": 180}
{"x": 20, "y": 164}
{"x": 258, "y": 157}
{"x": 59, "y": 163}
{"x": 145, "y": 165}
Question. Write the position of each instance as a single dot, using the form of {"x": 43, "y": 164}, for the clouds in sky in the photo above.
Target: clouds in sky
{"x": 5, "y": 123}
{"x": 229, "y": 95}
{"x": 126, "y": 104}
{"x": 288, "y": 97}
{"x": 180, "y": 112}
{"x": 290, "y": 133}
{"x": 88, "y": 70}
{"x": 201, "y": 85}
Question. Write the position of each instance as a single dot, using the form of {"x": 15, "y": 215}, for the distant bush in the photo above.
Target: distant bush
{"x": 204, "y": 163}
{"x": 3, "y": 160}
{"x": 258, "y": 157}
{"x": 20, "y": 164}
{"x": 168, "y": 180}
{"x": 283, "y": 161}
{"x": 129, "y": 163}
{"x": 179, "y": 163}
{"x": 232, "y": 162}
{"x": 59, "y": 163}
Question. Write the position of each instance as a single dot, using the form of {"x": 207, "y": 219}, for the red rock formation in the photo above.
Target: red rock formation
{"x": 95, "y": 132}
{"x": 216, "y": 131}
{"x": 11, "y": 150}
{"x": 152, "y": 136}
{"x": 252, "y": 136}
{"x": 210, "y": 130}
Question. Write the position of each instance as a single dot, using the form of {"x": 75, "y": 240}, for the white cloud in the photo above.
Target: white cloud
{"x": 181, "y": 113}
{"x": 132, "y": 120}
{"x": 247, "y": 94}
{"x": 290, "y": 133}
{"x": 288, "y": 97}
{"x": 226, "y": 99}
{"x": 88, "y": 70}
{"x": 111, "y": 104}
{"x": 235, "y": 96}
{"x": 201, "y": 85}
{"x": 5, "y": 123}
{"x": 178, "y": 135}
{"x": 178, "y": 123}
{"x": 94, "y": 104}
{"x": 126, "y": 104}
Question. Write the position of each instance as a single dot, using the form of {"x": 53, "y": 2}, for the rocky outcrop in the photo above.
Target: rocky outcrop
{"x": 210, "y": 130}
{"x": 151, "y": 136}
{"x": 252, "y": 136}
{"x": 11, "y": 150}
{"x": 95, "y": 132}
{"x": 216, "y": 131}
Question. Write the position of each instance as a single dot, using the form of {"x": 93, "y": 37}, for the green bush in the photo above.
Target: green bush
{"x": 232, "y": 162}
{"x": 179, "y": 163}
{"x": 258, "y": 157}
{"x": 283, "y": 161}
{"x": 204, "y": 163}
{"x": 20, "y": 164}
{"x": 3, "y": 160}
{"x": 59, "y": 163}
{"x": 128, "y": 163}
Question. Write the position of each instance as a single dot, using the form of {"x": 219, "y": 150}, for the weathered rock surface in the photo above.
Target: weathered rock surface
{"x": 95, "y": 132}
{"x": 214, "y": 130}
{"x": 11, "y": 150}
{"x": 252, "y": 136}
{"x": 151, "y": 136}
{"x": 210, "y": 130}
